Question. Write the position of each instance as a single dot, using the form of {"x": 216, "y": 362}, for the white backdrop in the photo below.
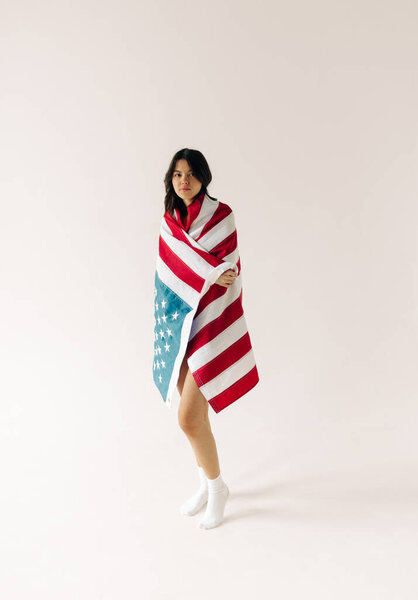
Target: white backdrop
{"x": 306, "y": 113}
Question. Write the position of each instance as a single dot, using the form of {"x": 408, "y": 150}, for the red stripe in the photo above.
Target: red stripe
{"x": 220, "y": 213}
{"x": 224, "y": 360}
{"x": 213, "y": 293}
{"x": 226, "y": 246}
{"x": 239, "y": 265}
{"x": 179, "y": 268}
{"x": 235, "y": 391}
{"x": 192, "y": 211}
{"x": 215, "y": 327}
{"x": 179, "y": 234}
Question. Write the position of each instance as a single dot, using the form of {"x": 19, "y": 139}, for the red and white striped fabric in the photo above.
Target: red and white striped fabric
{"x": 194, "y": 316}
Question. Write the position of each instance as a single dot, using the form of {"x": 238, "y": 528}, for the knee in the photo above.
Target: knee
{"x": 189, "y": 422}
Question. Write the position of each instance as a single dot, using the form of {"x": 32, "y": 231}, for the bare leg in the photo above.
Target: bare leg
{"x": 194, "y": 421}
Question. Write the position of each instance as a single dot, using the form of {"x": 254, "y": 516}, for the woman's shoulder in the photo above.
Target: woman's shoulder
{"x": 221, "y": 204}
{"x": 224, "y": 208}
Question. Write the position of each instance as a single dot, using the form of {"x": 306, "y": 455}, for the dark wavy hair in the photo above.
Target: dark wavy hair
{"x": 200, "y": 168}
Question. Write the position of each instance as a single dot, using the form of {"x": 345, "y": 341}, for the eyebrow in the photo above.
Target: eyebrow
{"x": 177, "y": 171}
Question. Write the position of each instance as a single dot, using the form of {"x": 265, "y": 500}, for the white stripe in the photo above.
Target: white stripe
{"x": 189, "y": 238}
{"x": 179, "y": 358}
{"x": 181, "y": 288}
{"x": 218, "y": 233}
{"x": 233, "y": 256}
{"x": 225, "y": 379}
{"x": 195, "y": 262}
{"x": 218, "y": 344}
{"x": 198, "y": 264}
{"x": 206, "y": 212}
{"x": 216, "y": 307}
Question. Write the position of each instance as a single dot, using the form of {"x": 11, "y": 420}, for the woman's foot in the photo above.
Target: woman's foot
{"x": 218, "y": 493}
{"x": 199, "y": 499}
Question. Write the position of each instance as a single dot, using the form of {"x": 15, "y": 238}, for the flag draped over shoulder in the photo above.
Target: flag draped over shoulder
{"x": 194, "y": 316}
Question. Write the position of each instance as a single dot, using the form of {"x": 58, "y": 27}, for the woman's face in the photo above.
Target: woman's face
{"x": 184, "y": 181}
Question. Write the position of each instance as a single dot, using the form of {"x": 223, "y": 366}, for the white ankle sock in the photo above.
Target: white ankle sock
{"x": 199, "y": 499}
{"x": 218, "y": 493}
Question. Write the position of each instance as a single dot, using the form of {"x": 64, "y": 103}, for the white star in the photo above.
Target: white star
{"x": 161, "y": 333}
{"x": 159, "y": 350}
{"x": 156, "y": 306}
{"x": 163, "y": 363}
{"x": 158, "y": 364}
{"x": 175, "y": 315}
{"x": 160, "y": 378}
{"x": 164, "y": 318}
{"x": 169, "y": 331}
{"x": 163, "y": 303}
{"x": 167, "y": 347}
{"x": 159, "y": 320}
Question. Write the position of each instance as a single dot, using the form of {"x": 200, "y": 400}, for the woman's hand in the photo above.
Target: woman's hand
{"x": 227, "y": 278}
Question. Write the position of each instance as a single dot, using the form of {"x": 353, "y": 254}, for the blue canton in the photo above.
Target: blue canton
{"x": 169, "y": 314}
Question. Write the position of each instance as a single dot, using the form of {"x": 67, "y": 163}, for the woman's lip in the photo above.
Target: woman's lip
{"x": 185, "y": 189}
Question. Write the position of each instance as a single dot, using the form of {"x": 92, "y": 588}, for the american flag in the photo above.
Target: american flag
{"x": 193, "y": 315}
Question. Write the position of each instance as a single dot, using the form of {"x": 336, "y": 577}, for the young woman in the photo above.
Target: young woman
{"x": 228, "y": 370}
